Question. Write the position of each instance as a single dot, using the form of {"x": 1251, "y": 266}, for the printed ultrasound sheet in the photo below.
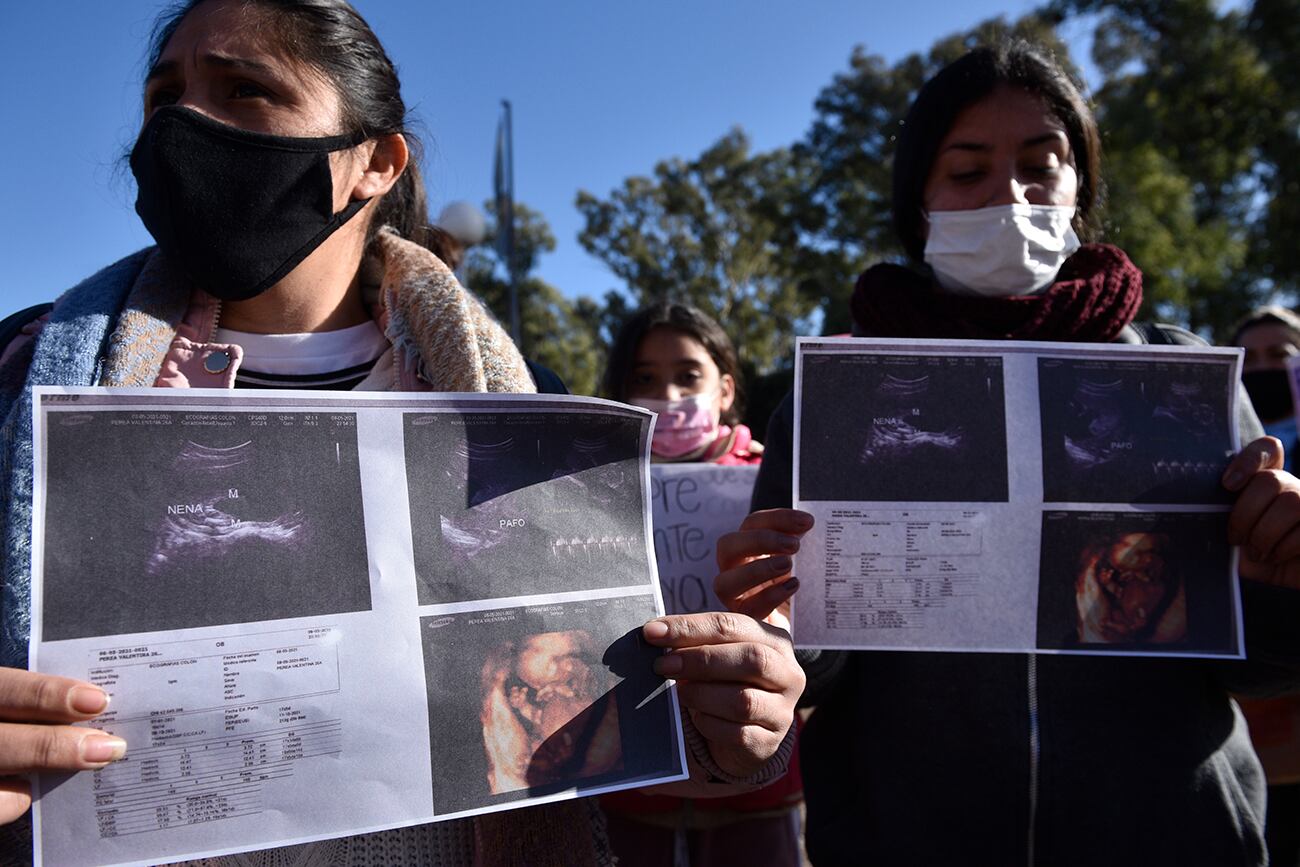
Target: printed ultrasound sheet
{"x": 1016, "y": 497}
{"x": 321, "y": 614}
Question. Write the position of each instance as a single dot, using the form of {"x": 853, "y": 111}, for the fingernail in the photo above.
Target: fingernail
{"x": 1233, "y": 479}
{"x": 102, "y": 748}
{"x": 655, "y": 629}
{"x": 790, "y": 546}
{"x": 669, "y": 665}
{"x": 780, "y": 565}
{"x": 88, "y": 699}
{"x": 804, "y": 520}
{"x": 790, "y": 586}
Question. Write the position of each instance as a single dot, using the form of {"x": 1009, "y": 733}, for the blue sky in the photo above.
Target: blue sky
{"x": 600, "y": 91}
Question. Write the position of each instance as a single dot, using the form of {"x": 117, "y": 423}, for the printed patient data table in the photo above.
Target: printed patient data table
{"x": 1016, "y": 497}
{"x": 321, "y": 614}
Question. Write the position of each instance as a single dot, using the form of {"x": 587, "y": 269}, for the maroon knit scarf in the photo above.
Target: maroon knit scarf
{"x": 1096, "y": 294}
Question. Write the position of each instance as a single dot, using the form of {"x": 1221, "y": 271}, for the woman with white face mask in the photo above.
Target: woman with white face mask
{"x": 980, "y": 758}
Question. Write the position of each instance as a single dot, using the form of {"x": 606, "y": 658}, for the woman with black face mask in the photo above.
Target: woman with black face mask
{"x": 275, "y": 172}
{"x": 1270, "y": 335}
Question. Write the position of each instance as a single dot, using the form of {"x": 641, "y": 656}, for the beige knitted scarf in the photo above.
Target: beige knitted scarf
{"x": 459, "y": 347}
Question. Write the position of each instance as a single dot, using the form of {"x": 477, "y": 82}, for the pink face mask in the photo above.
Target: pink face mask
{"x": 683, "y": 425}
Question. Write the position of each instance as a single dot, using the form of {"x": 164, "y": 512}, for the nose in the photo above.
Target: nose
{"x": 1010, "y": 191}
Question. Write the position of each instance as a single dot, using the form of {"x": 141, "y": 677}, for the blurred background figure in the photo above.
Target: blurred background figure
{"x": 1270, "y": 335}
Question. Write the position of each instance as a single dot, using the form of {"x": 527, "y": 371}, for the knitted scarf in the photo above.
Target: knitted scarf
{"x": 1096, "y": 294}
{"x": 115, "y": 328}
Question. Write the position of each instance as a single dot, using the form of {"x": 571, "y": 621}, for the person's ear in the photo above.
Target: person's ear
{"x": 726, "y": 393}
{"x": 385, "y": 164}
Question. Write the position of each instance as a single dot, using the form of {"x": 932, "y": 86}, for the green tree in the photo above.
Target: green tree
{"x": 1200, "y": 115}
{"x": 715, "y": 231}
{"x": 556, "y": 332}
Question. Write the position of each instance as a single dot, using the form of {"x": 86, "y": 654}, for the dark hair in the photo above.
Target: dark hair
{"x": 332, "y": 37}
{"x": 695, "y": 324}
{"x": 965, "y": 82}
{"x": 1270, "y": 315}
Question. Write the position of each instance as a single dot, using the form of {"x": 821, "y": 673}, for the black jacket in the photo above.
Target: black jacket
{"x": 1013, "y": 759}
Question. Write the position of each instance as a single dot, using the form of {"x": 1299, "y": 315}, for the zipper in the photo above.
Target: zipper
{"x": 216, "y": 318}
{"x": 1034, "y": 750}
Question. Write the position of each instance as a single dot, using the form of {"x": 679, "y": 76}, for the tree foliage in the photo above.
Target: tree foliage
{"x": 715, "y": 232}
{"x": 1200, "y": 116}
{"x": 1202, "y": 130}
{"x": 555, "y": 331}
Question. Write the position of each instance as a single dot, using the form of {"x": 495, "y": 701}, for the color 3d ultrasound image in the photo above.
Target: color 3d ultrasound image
{"x": 518, "y": 504}
{"x": 903, "y": 428}
{"x": 171, "y": 519}
{"x": 1134, "y": 432}
{"x": 532, "y": 701}
{"x": 1136, "y": 581}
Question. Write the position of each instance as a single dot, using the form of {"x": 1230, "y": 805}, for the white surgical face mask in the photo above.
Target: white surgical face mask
{"x": 1000, "y": 251}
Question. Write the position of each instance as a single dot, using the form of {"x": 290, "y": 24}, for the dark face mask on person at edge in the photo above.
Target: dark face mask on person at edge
{"x": 235, "y": 210}
{"x": 1270, "y": 392}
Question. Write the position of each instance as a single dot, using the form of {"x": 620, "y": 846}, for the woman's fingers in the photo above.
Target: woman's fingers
{"x": 15, "y": 798}
{"x": 736, "y": 664}
{"x": 709, "y": 628}
{"x": 736, "y": 703}
{"x": 1265, "y": 453}
{"x": 734, "y": 584}
{"x": 744, "y": 545}
{"x": 28, "y": 748}
{"x": 1278, "y": 519}
{"x": 26, "y": 696}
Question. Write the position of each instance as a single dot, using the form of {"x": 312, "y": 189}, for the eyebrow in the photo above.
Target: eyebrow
{"x": 169, "y": 67}
{"x": 981, "y": 147}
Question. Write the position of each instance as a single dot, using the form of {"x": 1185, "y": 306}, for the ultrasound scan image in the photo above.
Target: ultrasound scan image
{"x": 1133, "y": 432}
{"x": 531, "y": 701}
{"x": 176, "y": 519}
{"x": 518, "y": 505}
{"x": 903, "y": 428}
{"x": 1136, "y": 580}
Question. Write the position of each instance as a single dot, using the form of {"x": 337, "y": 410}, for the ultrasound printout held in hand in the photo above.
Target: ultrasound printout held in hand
{"x": 181, "y": 519}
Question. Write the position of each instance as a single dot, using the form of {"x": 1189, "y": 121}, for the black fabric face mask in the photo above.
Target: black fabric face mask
{"x": 1270, "y": 392}
{"x": 236, "y": 210}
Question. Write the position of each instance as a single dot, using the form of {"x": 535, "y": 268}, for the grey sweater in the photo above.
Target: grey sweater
{"x": 1015, "y": 759}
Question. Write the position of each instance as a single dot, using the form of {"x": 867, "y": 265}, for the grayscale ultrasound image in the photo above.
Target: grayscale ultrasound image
{"x": 1135, "y": 581}
{"x": 512, "y": 504}
{"x": 903, "y": 428}
{"x": 530, "y": 701}
{"x": 172, "y": 519}
{"x": 1133, "y": 432}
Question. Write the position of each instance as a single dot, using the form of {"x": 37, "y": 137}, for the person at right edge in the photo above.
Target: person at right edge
{"x": 920, "y": 758}
{"x": 1271, "y": 335}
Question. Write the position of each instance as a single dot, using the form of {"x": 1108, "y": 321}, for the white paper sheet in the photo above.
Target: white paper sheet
{"x": 321, "y": 614}
{"x": 694, "y": 505}
{"x": 1017, "y": 497}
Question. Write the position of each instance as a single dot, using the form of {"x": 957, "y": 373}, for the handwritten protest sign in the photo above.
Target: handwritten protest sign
{"x": 694, "y": 504}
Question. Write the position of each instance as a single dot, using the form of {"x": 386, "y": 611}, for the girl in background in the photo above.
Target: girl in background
{"x": 676, "y": 360}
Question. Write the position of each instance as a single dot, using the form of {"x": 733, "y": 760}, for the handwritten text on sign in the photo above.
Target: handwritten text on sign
{"x": 693, "y": 505}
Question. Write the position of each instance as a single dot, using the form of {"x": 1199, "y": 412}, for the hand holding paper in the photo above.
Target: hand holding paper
{"x": 736, "y": 677}
{"x": 34, "y": 737}
{"x": 1265, "y": 520}
{"x": 754, "y": 564}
